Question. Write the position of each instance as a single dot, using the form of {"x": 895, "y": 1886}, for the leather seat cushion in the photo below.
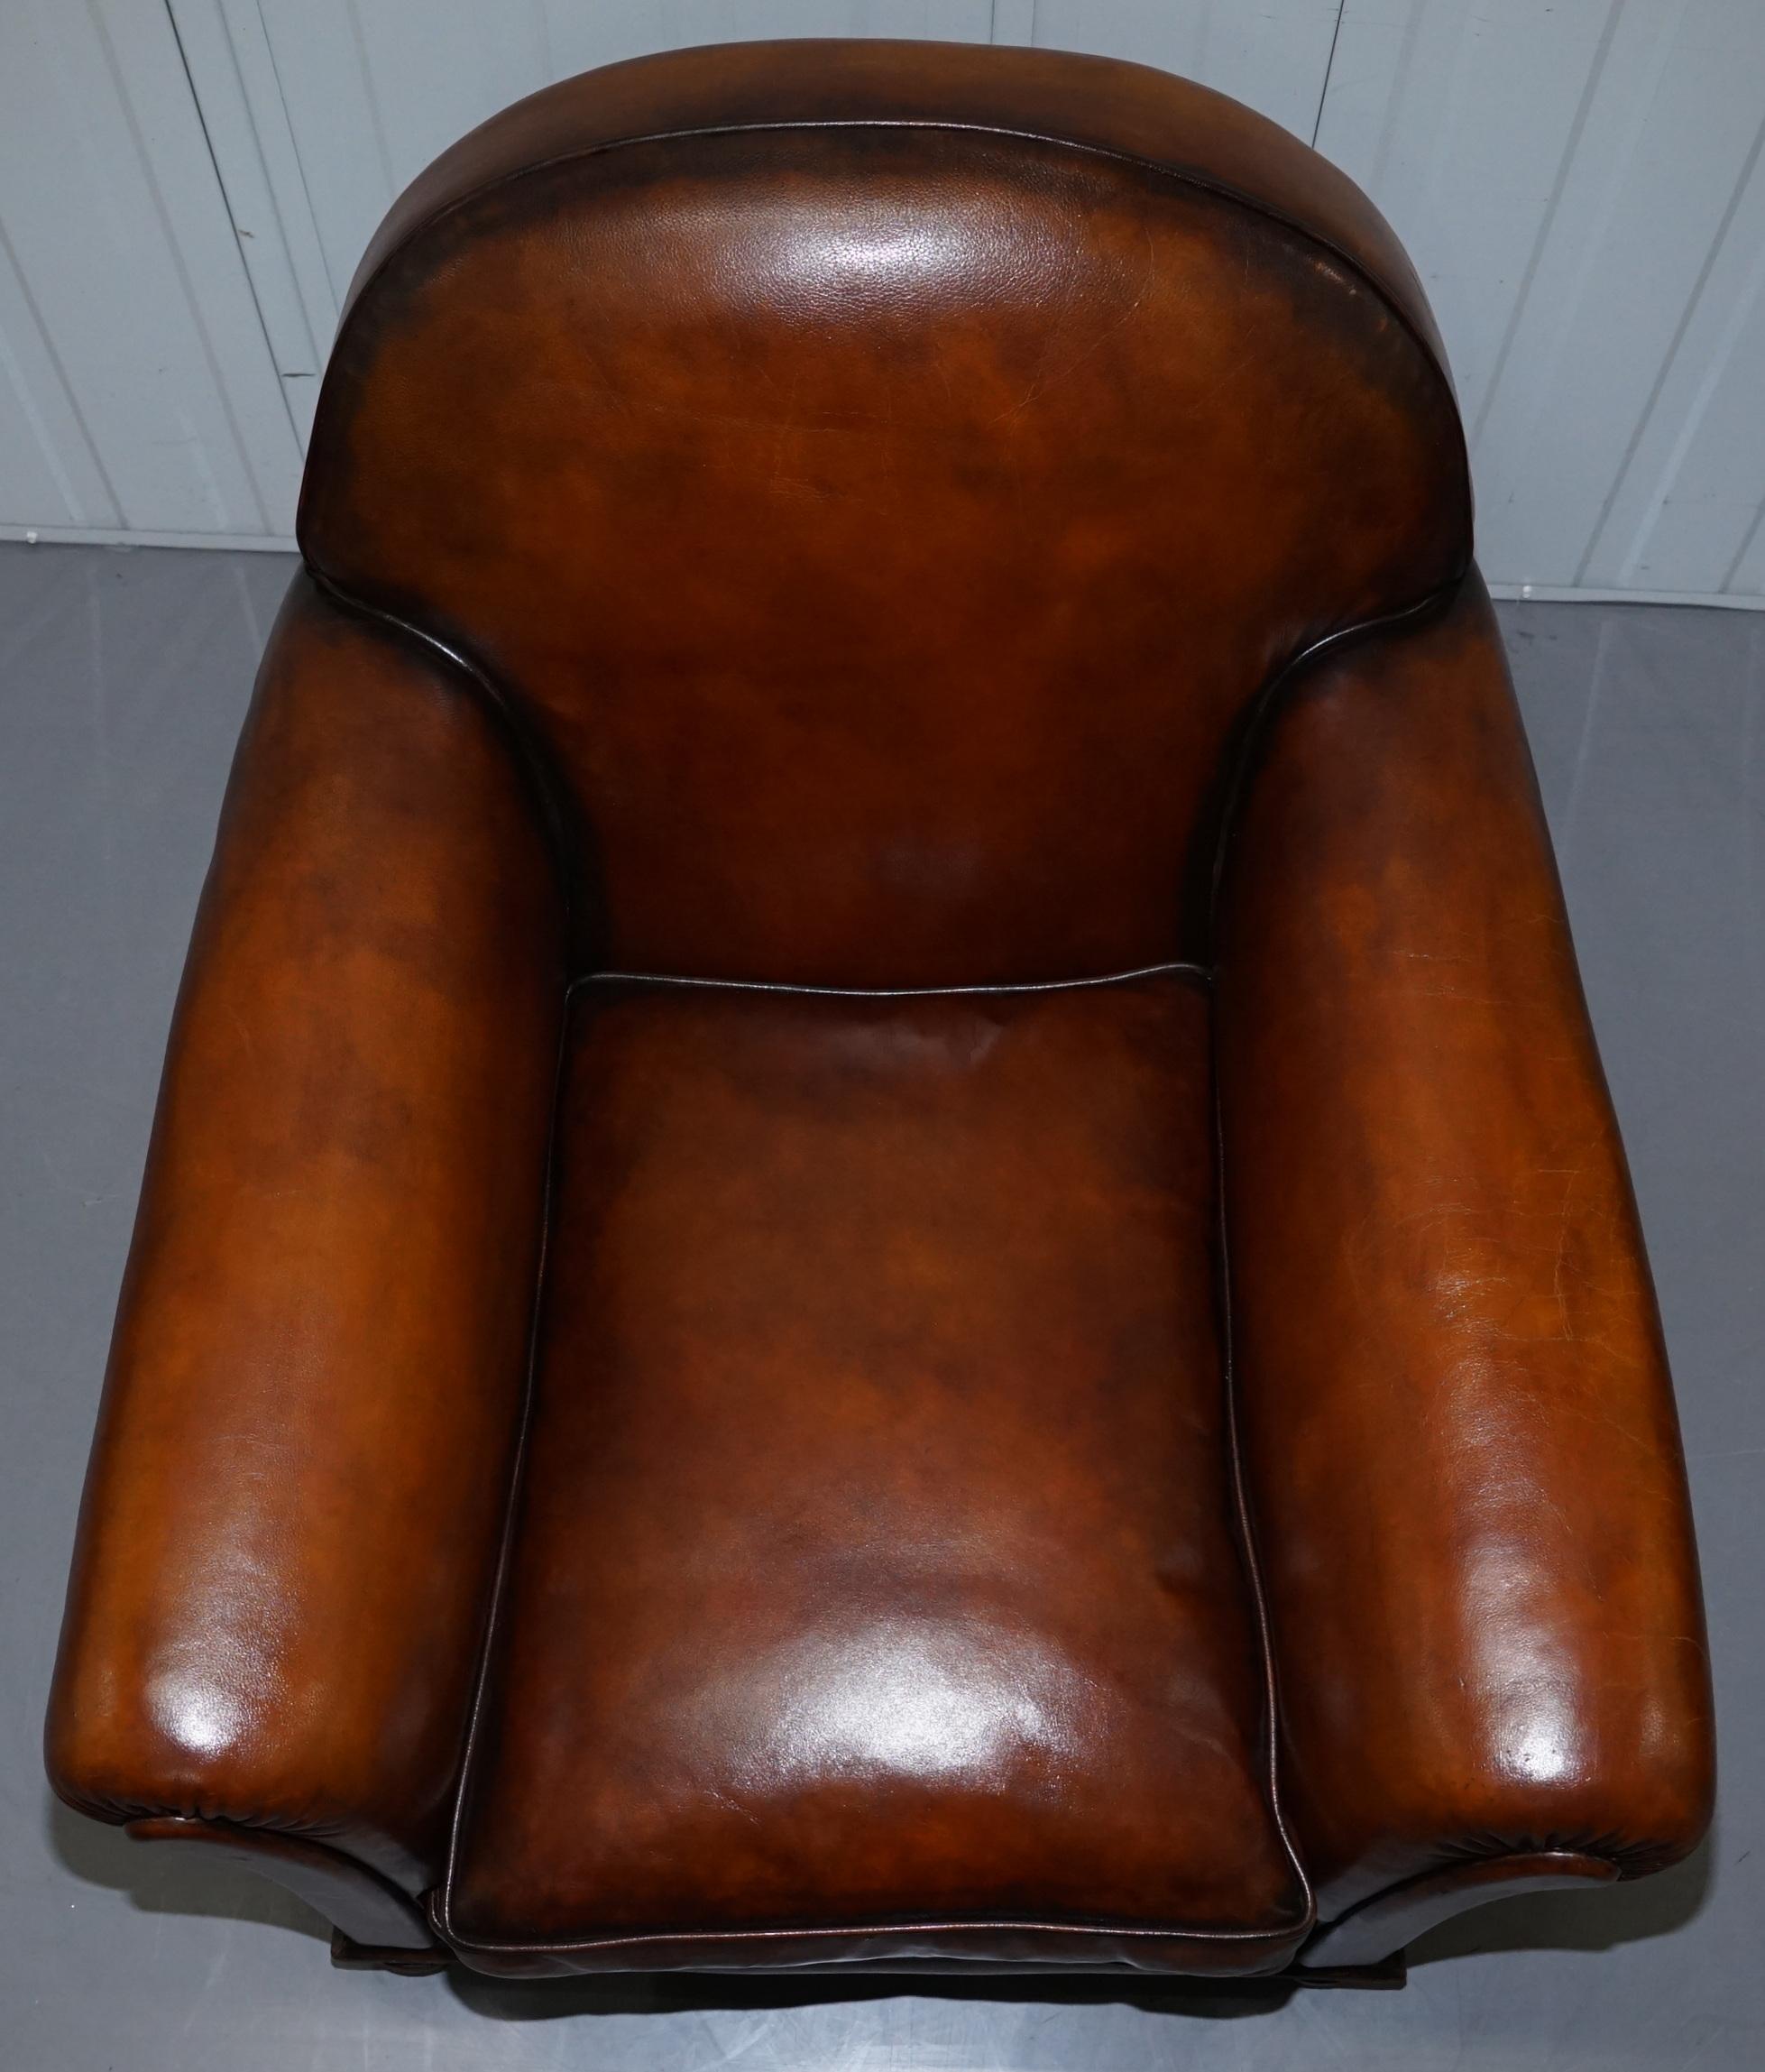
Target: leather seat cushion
{"x": 875, "y": 1590}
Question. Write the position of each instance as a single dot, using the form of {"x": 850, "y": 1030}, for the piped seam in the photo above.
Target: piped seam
{"x": 1195, "y": 974}
{"x": 1193, "y": 177}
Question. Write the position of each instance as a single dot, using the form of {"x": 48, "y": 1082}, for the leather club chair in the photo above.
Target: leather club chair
{"x": 883, "y": 1230}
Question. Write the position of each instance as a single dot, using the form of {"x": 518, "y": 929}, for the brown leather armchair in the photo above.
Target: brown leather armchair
{"x": 883, "y": 1229}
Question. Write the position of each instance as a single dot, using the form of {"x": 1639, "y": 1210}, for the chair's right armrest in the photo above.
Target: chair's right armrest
{"x": 300, "y": 1477}
{"x": 1462, "y": 1452}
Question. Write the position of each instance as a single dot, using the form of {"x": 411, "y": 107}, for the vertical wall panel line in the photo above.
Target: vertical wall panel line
{"x": 338, "y": 288}
{"x": 1665, "y": 368}
{"x": 1498, "y": 367}
{"x": 268, "y": 343}
{"x": 77, "y": 511}
{"x": 1406, "y": 65}
{"x": 1014, "y": 21}
{"x": 1329, "y": 66}
{"x": 1738, "y": 318}
{"x": 1749, "y": 540}
{"x": 198, "y": 315}
{"x": 382, "y": 147}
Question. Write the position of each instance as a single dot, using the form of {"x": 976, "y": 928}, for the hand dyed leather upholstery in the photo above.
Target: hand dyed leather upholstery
{"x": 941, "y": 1608}
{"x": 889, "y": 666}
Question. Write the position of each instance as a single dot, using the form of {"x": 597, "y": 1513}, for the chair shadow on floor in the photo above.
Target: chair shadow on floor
{"x": 1570, "y": 1921}
{"x": 554, "y": 1999}
{"x": 1594, "y": 1921}
{"x": 162, "y": 1881}
{"x": 169, "y": 1881}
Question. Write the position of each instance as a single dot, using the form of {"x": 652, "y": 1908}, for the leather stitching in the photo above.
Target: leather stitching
{"x": 1263, "y": 711}
{"x": 1253, "y": 1568}
{"x": 533, "y": 764}
{"x": 1263, "y": 707}
{"x": 1275, "y": 1936}
{"x": 437, "y": 1903}
{"x": 1195, "y": 974}
{"x": 1182, "y": 176}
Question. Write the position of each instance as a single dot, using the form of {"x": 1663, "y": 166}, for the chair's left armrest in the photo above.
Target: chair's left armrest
{"x": 1463, "y": 1457}
{"x": 302, "y": 1465}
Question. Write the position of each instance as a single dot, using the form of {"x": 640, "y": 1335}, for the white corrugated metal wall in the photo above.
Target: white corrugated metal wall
{"x": 185, "y": 184}
{"x": 137, "y": 397}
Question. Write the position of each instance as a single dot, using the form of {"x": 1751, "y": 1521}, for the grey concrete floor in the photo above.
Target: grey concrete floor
{"x": 123, "y": 679}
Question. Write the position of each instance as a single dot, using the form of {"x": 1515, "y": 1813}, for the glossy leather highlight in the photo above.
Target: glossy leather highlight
{"x": 876, "y": 1586}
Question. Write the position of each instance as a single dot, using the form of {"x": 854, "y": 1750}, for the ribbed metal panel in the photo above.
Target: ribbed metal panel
{"x": 137, "y": 395}
{"x": 1583, "y": 190}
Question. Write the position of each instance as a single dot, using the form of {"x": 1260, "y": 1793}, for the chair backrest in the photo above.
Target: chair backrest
{"x": 879, "y": 480}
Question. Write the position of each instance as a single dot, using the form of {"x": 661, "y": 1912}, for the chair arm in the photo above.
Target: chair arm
{"x": 301, "y": 1470}
{"x": 1459, "y": 1432}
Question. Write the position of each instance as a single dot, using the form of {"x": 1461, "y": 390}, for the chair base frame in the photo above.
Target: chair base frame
{"x": 377, "y": 1928}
